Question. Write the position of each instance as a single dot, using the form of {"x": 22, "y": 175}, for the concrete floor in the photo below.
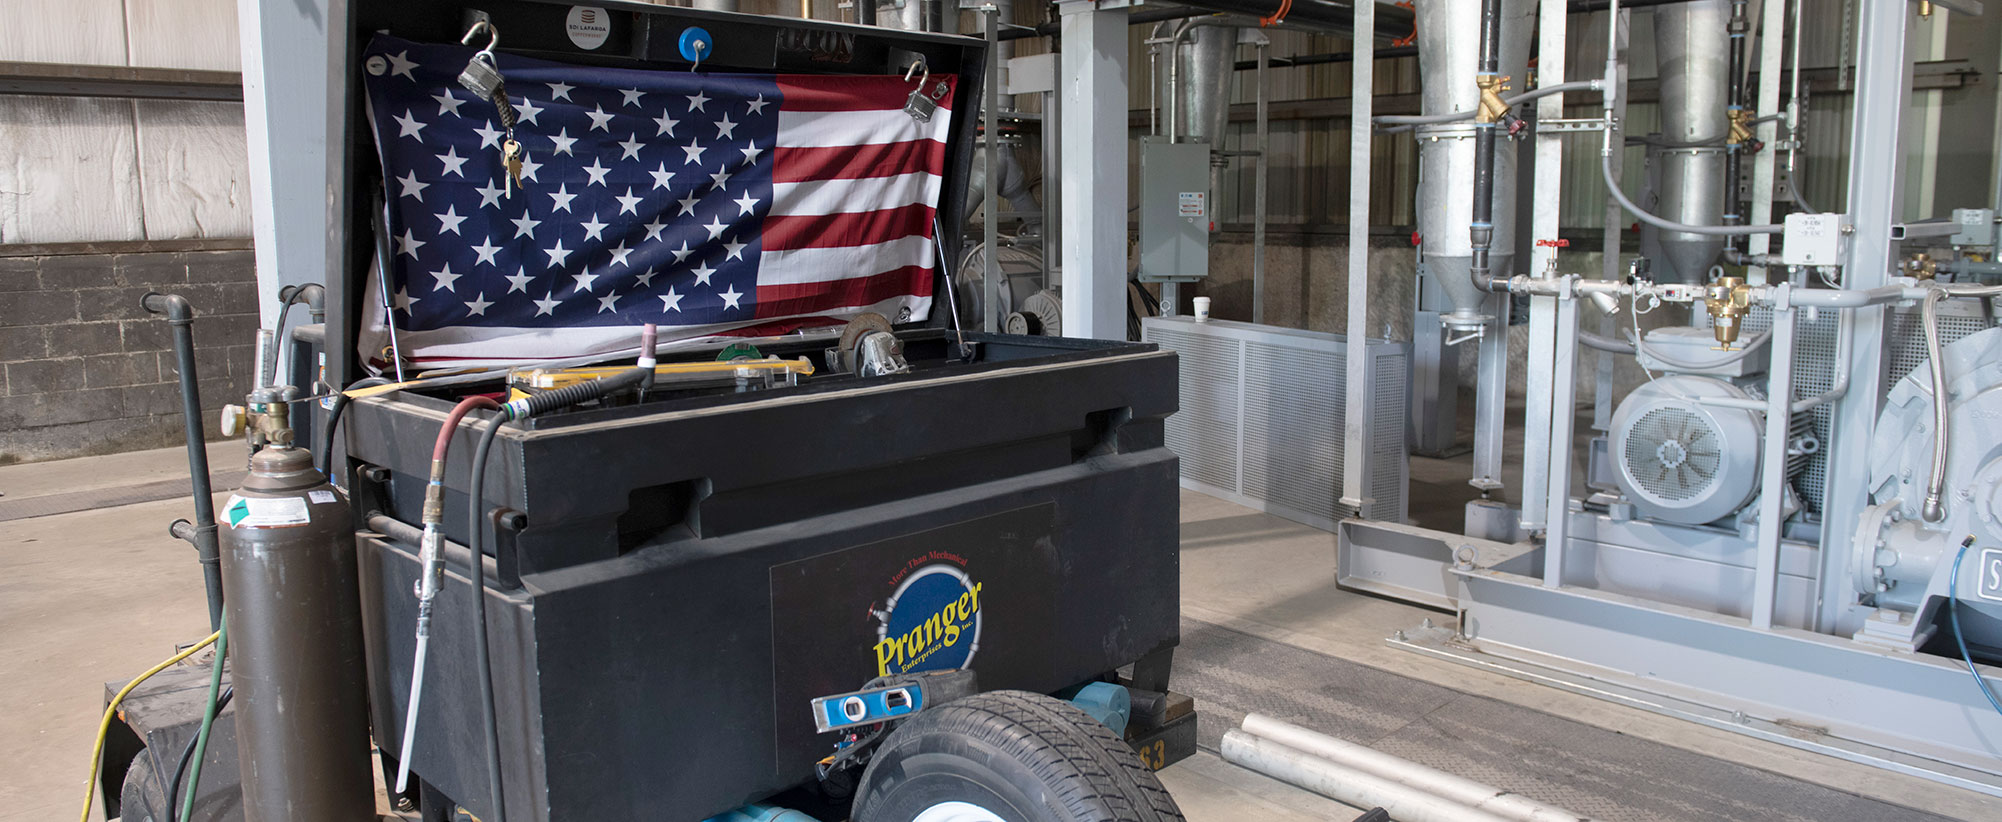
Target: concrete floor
{"x": 93, "y": 596}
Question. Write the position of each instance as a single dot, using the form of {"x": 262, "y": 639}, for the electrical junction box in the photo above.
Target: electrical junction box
{"x": 1176, "y": 211}
{"x": 1977, "y": 226}
{"x": 1814, "y": 239}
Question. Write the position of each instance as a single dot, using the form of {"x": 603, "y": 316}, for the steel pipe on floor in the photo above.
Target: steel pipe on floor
{"x": 1484, "y": 798}
{"x": 1344, "y": 784}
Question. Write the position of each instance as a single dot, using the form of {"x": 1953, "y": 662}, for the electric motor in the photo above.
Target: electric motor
{"x": 1679, "y": 460}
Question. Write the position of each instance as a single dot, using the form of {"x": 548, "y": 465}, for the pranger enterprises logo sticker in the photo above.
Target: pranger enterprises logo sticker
{"x": 932, "y": 620}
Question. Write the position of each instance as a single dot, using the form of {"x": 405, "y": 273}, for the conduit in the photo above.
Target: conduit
{"x": 1344, "y": 784}
{"x": 1481, "y": 798}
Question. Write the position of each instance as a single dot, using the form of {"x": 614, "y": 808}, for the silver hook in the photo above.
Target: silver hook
{"x": 493, "y": 36}
{"x": 915, "y": 67}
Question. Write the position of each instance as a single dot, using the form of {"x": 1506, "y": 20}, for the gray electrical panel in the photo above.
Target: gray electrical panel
{"x": 1175, "y": 210}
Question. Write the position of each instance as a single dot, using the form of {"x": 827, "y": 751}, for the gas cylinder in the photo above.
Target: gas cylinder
{"x": 295, "y": 644}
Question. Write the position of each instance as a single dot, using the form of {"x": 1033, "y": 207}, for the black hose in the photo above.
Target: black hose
{"x": 208, "y": 548}
{"x": 188, "y": 755}
{"x": 1481, "y": 229}
{"x": 325, "y": 458}
{"x": 477, "y": 574}
{"x": 476, "y": 541}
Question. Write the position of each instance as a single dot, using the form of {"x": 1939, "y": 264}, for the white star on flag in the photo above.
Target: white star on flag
{"x": 401, "y": 64}
{"x": 562, "y": 196}
{"x": 557, "y": 254}
{"x": 632, "y": 96}
{"x": 605, "y": 303}
{"x": 668, "y": 302}
{"x": 408, "y": 244}
{"x": 645, "y": 280}
{"x": 486, "y": 249}
{"x": 736, "y": 250}
{"x": 410, "y": 186}
{"x": 629, "y": 204}
{"x": 665, "y": 125}
{"x": 630, "y": 147}
{"x": 524, "y": 226}
{"x": 747, "y": 203}
{"x": 696, "y": 100}
{"x": 702, "y": 273}
{"x": 597, "y": 172}
{"x": 619, "y": 255}
{"x": 653, "y": 229}
{"x": 489, "y": 136}
{"x": 593, "y": 230}
{"x": 662, "y": 178}
{"x": 447, "y": 104}
{"x": 408, "y": 126}
{"x": 563, "y": 141}
{"x": 528, "y": 168}
{"x": 694, "y": 150}
{"x": 751, "y": 154}
{"x": 716, "y": 228}
{"x": 450, "y": 220}
{"x": 758, "y": 106}
{"x": 528, "y": 109}
{"x": 519, "y": 281}
{"x": 584, "y": 280}
{"x": 546, "y": 305}
{"x": 477, "y": 306}
{"x": 720, "y": 179}
{"x": 445, "y": 278}
{"x": 452, "y": 162}
{"x": 688, "y": 204}
{"x": 404, "y": 300}
{"x": 682, "y": 252}
{"x": 559, "y": 91}
{"x": 726, "y": 129}
{"x": 600, "y": 121}
{"x": 730, "y": 297}
{"x": 490, "y": 194}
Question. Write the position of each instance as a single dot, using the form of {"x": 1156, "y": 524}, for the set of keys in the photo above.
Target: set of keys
{"x": 483, "y": 78}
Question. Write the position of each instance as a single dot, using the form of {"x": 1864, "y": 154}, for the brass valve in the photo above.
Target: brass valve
{"x": 1741, "y": 128}
{"x": 1492, "y": 104}
{"x": 1728, "y": 300}
{"x": 1921, "y": 266}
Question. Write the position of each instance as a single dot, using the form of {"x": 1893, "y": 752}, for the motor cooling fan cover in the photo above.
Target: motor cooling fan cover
{"x": 1682, "y": 461}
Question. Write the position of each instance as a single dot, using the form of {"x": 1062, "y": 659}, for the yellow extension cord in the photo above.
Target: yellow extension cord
{"x": 104, "y": 727}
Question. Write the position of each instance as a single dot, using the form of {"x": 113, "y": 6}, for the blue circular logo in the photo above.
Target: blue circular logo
{"x": 932, "y": 622}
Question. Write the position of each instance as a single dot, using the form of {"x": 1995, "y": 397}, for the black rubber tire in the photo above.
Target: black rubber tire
{"x": 1023, "y": 756}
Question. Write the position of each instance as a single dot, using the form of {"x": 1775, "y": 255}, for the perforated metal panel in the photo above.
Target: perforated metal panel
{"x": 1263, "y": 413}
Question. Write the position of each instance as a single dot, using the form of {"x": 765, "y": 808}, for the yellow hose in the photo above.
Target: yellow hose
{"x": 111, "y": 710}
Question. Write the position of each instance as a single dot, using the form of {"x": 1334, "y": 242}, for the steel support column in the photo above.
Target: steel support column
{"x": 1355, "y": 422}
{"x": 1876, "y": 185}
{"x": 294, "y": 95}
{"x": 1093, "y": 137}
{"x": 1772, "y": 42}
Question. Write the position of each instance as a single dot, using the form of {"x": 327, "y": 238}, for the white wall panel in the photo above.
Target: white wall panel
{"x": 194, "y": 170}
{"x": 63, "y": 31}
{"x": 191, "y": 34}
{"x": 68, "y": 170}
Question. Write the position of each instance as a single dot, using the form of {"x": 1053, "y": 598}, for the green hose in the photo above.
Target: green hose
{"x": 208, "y": 721}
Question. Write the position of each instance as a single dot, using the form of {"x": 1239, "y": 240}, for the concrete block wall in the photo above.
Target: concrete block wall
{"x": 85, "y": 370}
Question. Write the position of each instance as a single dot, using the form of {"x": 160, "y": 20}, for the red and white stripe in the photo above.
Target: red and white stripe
{"x": 855, "y": 184}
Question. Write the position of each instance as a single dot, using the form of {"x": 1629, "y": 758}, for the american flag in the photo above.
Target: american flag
{"x": 704, "y": 203}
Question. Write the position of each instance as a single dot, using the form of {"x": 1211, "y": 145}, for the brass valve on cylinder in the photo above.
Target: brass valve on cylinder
{"x": 1741, "y": 126}
{"x": 1492, "y": 104}
{"x": 1728, "y": 300}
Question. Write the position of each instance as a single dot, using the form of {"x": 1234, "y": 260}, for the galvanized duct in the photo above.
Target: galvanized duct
{"x": 1449, "y": 50}
{"x": 1694, "y": 52}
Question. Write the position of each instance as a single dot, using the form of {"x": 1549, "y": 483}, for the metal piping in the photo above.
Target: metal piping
{"x": 202, "y": 534}
{"x": 1344, "y": 784}
{"x": 1734, "y": 203}
{"x": 1696, "y": 94}
{"x": 1481, "y": 230}
{"x": 1479, "y": 797}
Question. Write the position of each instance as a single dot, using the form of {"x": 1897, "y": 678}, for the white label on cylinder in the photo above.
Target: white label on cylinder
{"x": 252, "y": 512}
{"x": 320, "y": 497}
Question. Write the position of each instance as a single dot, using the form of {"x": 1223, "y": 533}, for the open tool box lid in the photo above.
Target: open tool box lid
{"x": 619, "y": 36}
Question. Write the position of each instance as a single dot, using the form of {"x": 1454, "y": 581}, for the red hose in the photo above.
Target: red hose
{"x": 459, "y": 412}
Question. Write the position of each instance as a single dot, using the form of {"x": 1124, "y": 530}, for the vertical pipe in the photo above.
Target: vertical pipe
{"x": 1772, "y": 471}
{"x": 1481, "y": 231}
{"x": 1562, "y": 414}
{"x": 1258, "y": 193}
{"x": 1772, "y": 40}
{"x": 1362, "y": 90}
{"x": 990, "y": 275}
{"x": 1876, "y": 181}
{"x": 1738, "y": 27}
{"x": 181, "y": 317}
{"x": 1093, "y": 62}
{"x": 1491, "y": 401}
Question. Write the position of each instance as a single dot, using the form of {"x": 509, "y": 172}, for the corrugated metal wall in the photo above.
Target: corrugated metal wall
{"x": 87, "y": 169}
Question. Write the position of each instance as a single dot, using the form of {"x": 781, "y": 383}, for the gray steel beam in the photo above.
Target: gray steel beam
{"x": 1093, "y": 146}
{"x": 1772, "y": 38}
{"x": 76, "y": 80}
{"x": 1355, "y": 416}
{"x": 295, "y": 109}
{"x": 1876, "y": 185}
